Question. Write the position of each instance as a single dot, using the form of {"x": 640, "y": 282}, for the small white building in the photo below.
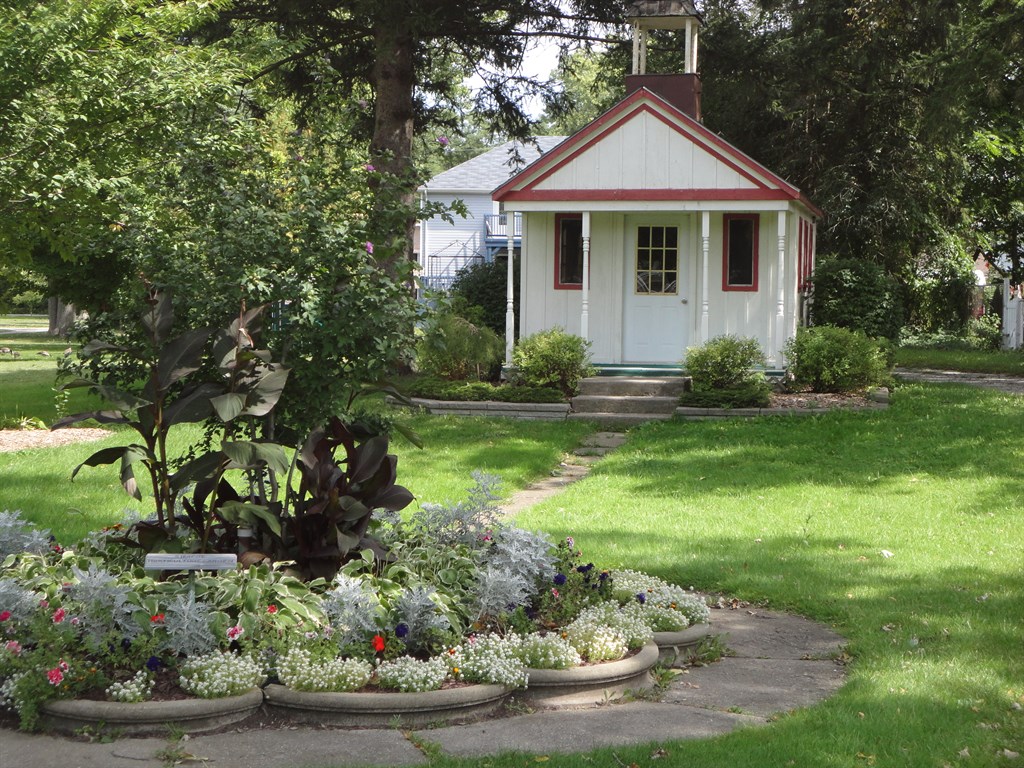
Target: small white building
{"x": 646, "y": 233}
{"x": 446, "y": 247}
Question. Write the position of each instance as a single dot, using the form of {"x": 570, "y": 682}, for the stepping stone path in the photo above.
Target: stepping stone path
{"x": 575, "y": 467}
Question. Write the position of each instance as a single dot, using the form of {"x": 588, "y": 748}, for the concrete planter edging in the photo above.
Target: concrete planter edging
{"x": 589, "y": 685}
{"x": 675, "y": 647}
{"x": 382, "y": 709}
{"x": 191, "y": 715}
{"x": 534, "y": 411}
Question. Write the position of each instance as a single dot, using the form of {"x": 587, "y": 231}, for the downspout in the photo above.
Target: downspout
{"x": 585, "y": 292}
{"x": 510, "y": 310}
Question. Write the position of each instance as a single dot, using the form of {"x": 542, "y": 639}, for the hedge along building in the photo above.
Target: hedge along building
{"x": 646, "y": 233}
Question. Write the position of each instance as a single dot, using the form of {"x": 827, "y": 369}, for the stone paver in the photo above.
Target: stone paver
{"x": 758, "y": 634}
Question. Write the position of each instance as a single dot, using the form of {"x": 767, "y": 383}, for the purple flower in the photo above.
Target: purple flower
{"x": 585, "y": 568}
{"x": 442, "y": 140}
{"x": 153, "y": 663}
{"x": 559, "y": 579}
{"x": 402, "y": 630}
{"x": 370, "y": 167}
{"x": 641, "y": 598}
{"x": 570, "y": 542}
{"x": 369, "y": 247}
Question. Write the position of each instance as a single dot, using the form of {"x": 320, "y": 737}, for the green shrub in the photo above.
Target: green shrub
{"x": 857, "y": 294}
{"x": 830, "y": 359}
{"x": 751, "y": 394}
{"x": 942, "y": 291}
{"x": 552, "y": 358}
{"x": 724, "y": 362}
{"x": 455, "y": 348}
{"x": 485, "y": 286}
{"x": 434, "y": 388}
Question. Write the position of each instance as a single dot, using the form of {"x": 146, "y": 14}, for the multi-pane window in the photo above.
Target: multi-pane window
{"x": 568, "y": 251}
{"x": 657, "y": 260}
{"x": 739, "y": 257}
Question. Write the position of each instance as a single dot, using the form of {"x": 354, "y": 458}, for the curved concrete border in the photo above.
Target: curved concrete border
{"x": 382, "y": 709}
{"x": 675, "y": 647}
{"x": 191, "y": 715}
{"x": 594, "y": 684}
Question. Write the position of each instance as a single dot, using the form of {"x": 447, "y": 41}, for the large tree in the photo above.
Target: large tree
{"x": 403, "y": 51}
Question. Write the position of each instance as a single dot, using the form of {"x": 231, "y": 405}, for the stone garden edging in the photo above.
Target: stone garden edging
{"x": 589, "y": 685}
{"x": 191, "y": 715}
{"x": 382, "y": 709}
{"x": 674, "y": 648}
{"x": 528, "y": 411}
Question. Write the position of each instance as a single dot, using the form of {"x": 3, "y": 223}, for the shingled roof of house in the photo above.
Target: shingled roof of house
{"x": 491, "y": 169}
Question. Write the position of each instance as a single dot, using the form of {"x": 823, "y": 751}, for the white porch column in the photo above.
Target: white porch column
{"x": 643, "y": 52}
{"x": 510, "y": 306}
{"x": 585, "y": 292}
{"x": 780, "y": 309}
{"x": 636, "y": 50}
{"x": 705, "y": 248}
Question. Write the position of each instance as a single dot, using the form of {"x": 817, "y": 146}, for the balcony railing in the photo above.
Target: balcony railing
{"x": 497, "y": 225}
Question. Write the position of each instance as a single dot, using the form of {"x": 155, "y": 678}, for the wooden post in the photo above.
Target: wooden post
{"x": 585, "y": 292}
{"x": 705, "y": 248}
{"x": 510, "y": 305}
{"x": 780, "y": 310}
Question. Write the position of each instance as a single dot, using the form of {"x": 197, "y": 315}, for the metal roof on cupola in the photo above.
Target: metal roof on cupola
{"x": 647, "y": 15}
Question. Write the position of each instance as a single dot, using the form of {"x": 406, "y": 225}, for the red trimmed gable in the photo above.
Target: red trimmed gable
{"x": 746, "y": 179}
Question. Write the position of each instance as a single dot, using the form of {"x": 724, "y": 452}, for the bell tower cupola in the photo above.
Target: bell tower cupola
{"x": 682, "y": 90}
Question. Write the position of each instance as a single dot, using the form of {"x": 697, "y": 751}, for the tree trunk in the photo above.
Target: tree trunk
{"x": 61, "y": 316}
{"x": 394, "y": 79}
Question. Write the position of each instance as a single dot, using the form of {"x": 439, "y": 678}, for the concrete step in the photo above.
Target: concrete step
{"x": 619, "y": 420}
{"x": 623, "y": 386}
{"x": 624, "y": 404}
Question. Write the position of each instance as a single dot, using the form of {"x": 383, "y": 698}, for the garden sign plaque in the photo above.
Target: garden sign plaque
{"x": 188, "y": 561}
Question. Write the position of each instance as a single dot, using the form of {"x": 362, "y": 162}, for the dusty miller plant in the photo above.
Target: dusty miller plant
{"x": 467, "y": 522}
{"x": 17, "y": 535}
{"x": 19, "y": 601}
{"x": 422, "y": 617}
{"x": 352, "y": 609}
{"x": 105, "y": 604}
{"x": 187, "y": 622}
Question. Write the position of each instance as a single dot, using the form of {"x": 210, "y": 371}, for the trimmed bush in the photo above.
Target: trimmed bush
{"x": 552, "y": 358}
{"x": 753, "y": 394}
{"x": 434, "y": 388}
{"x": 829, "y": 359}
{"x": 724, "y": 362}
{"x": 484, "y": 286}
{"x": 456, "y": 348}
{"x": 857, "y": 294}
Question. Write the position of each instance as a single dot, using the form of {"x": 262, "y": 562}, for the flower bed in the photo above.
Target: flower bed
{"x": 464, "y": 609}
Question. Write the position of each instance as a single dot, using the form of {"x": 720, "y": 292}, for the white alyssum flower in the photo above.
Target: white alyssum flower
{"x": 550, "y": 651}
{"x": 627, "y": 584}
{"x": 411, "y": 675}
{"x": 489, "y": 659}
{"x": 220, "y": 674}
{"x": 596, "y": 641}
{"x": 299, "y": 670}
{"x": 694, "y": 607}
{"x": 132, "y": 691}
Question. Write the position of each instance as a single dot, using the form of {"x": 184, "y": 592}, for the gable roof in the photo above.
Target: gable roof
{"x": 610, "y": 160}
{"x": 486, "y": 171}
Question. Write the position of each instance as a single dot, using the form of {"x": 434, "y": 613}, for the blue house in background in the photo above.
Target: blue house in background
{"x": 445, "y": 248}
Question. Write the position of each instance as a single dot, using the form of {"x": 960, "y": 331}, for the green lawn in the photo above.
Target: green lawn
{"x": 961, "y": 360}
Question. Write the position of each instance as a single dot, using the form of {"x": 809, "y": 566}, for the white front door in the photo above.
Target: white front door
{"x": 656, "y": 310}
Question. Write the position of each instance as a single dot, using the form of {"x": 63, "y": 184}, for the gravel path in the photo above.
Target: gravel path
{"x": 26, "y": 439}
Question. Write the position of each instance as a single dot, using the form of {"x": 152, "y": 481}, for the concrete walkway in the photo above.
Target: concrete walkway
{"x": 1001, "y": 381}
{"x": 778, "y": 663}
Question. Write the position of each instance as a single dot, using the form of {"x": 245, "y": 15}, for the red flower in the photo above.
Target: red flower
{"x": 378, "y": 643}
{"x": 271, "y": 608}
{"x": 55, "y": 676}
{"x": 156, "y": 618}
{"x": 58, "y": 615}
{"x": 5, "y": 615}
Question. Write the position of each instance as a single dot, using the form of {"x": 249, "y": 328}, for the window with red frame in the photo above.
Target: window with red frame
{"x": 568, "y": 251}
{"x": 739, "y": 251}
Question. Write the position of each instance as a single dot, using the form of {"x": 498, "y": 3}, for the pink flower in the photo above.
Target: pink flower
{"x": 442, "y": 140}
{"x": 75, "y": 621}
{"x": 5, "y": 615}
{"x": 271, "y": 608}
{"x": 13, "y": 646}
{"x": 44, "y": 604}
{"x": 554, "y": 593}
{"x": 369, "y": 247}
{"x": 58, "y": 615}
{"x": 235, "y": 632}
{"x": 370, "y": 167}
{"x": 62, "y": 665}
{"x": 55, "y": 676}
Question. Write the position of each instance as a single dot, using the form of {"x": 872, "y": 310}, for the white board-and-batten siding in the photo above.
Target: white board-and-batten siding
{"x": 453, "y": 245}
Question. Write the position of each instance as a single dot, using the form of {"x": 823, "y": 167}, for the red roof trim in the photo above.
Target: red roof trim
{"x": 586, "y": 195}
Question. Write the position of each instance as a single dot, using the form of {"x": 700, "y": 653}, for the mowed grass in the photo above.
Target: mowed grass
{"x": 38, "y": 482}
{"x": 1009, "y": 362}
{"x": 795, "y": 515}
